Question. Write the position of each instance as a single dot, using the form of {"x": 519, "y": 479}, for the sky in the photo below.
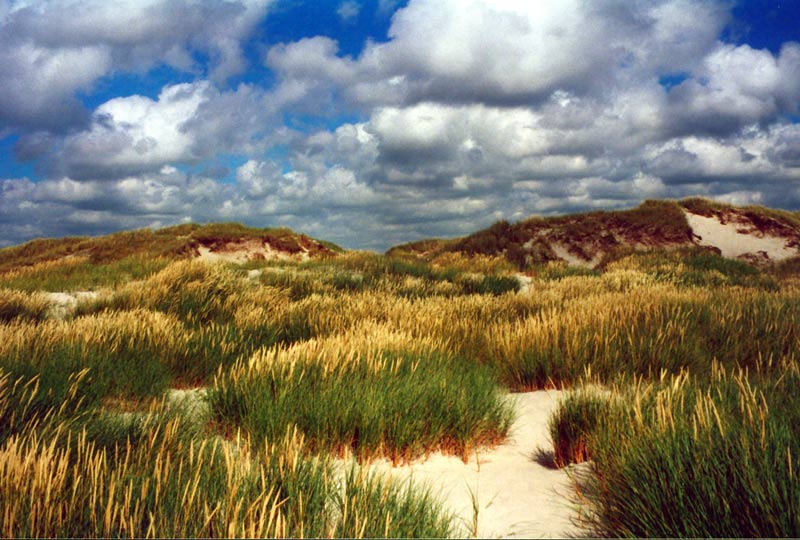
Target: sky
{"x": 372, "y": 123}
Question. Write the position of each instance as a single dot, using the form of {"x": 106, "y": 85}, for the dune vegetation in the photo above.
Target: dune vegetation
{"x": 682, "y": 368}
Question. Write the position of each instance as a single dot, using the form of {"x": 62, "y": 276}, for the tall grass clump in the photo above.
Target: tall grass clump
{"x": 576, "y": 417}
{"x": 81, "y": 273}
{"x": 363, "y": 387}
{"x": 128, "y": 355}
{"x": 25, "y": 406}
{"x": 215, "y": 311}
{"x": 22, "y": 306}
{"x": 681, "y": 458}
{"x": 495, "y": 285}
{"x": 397, "y": 276}
{"x": 692, "y": 267}
{"x": 194, "y": 291}
{"x": 165, "y": 485}
{"x": 372, "y": 506}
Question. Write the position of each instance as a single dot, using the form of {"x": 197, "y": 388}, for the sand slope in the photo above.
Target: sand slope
{"x": 738, "y": 240}
{"x": 241, "y": 252}
{"x": 516, "y": 496}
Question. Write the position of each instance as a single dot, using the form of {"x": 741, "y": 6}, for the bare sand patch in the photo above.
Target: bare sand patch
{"x": 737, "y": 240}
{"x": 193, "y": 400}
{"x": 571, "y": 259}
{"x": 245, "y": 251}
{"x": 525, "y": 282}
{"x": 515, "y": 495}
{"x": 64, "y": 303}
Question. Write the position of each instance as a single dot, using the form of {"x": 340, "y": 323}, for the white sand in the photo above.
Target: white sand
{"x": 241, "y": 252}
{"x": 525, "y": 282}
{"x": 573, "y": 260}
{"x": 193, "y": 401}
{"x": 516, "y": 496}
{"x": 729, "y": 239}
{"x": 64, "y": 303}
{"x": 240, "y": 255}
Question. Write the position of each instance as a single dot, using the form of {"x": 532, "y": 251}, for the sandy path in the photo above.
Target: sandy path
{"x": 516, "y": 496}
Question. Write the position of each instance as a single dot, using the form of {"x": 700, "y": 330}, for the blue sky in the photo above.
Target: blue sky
{"x": 375, "y": 123}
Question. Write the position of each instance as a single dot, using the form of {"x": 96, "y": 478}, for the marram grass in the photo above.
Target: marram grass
{"x": 22, "y": 306}
{"x": 682, "y": 458}
{"x": 162, "y": 483}
{"x": 643, "y": 332}
{"x": 373, "y": 392}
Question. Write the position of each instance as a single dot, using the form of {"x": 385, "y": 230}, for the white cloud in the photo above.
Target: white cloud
{"x": 50, "y": 50}
{"x": 348, "y": 10}
{"x": 514, "y": 52}
{"x": 136, "y": 133}
{"x": 185, "y": 123}
{"x": 749, "y": 158}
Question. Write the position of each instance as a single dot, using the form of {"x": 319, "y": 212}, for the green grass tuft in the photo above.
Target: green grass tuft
{"x": 363, "y": 405}
{"x": 690, "y": 459}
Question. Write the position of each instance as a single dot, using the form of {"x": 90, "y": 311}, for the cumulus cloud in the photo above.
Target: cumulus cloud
{"x": 735, "y": 87}
{"x": 135, "y": 134}
{"x": 50, "y": 50}
{"x": 603, "y": 58}
{"x": 357, "y": 204}
{"x": 749, "y": 157}
{"x": 510, "y": 52}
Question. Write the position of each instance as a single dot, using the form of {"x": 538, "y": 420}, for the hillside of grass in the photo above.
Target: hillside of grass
{"x": 593, "y": 238}
{"x": 90, "y": 262}
{"x": 529, "y": 242}
{"x": 177, "y": 242}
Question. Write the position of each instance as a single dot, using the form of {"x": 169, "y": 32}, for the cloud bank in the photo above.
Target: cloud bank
{"x": 468, "y": 112}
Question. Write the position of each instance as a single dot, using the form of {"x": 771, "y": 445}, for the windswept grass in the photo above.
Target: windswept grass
{"x": 402, "y": 276}
{"x": 371, "y": 506}
{"x": 69, "y": 471}
{"x": 80, "y": 273}
{"x": 692, "y": 267}
{"x": 21, "y": 306}
{"x": 127, "y": 355}
{"x": 193, "y": 291}
{"x": 575, "y": 419}
{"x": 26, "y": 407}
{"x": 166, "y": 487}
{"x": 389, "y": 356}
{"x": 643, "y": 332}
